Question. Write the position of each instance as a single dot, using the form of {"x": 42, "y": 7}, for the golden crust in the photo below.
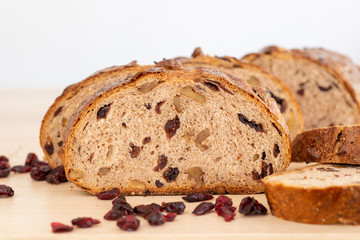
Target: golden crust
{"x": 165, "y": 73}
{"x": 331, "y": 205}
{"x": 328, "y": 145}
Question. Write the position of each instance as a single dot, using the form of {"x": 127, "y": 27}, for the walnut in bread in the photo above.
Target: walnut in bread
{"x": 192, "y": 138}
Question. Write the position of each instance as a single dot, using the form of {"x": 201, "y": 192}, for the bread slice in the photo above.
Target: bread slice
{"x": 255, "y": 76}
{"x": 340, "y": 63}
{"x": 317, "y": 194}
{"x": 169, "y": 130}
{"x": 325, "y": 98}
{"x": 328, "y": 145}
{"x": 56, "y": 118}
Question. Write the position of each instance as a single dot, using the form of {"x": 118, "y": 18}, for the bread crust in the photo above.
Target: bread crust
{"x": 198, "y": 57}
{"x": 164, "y": 73}
{"x": 331, "y": 205}
{"x": 68, "y": 93}
{"x": 337, "y": 144}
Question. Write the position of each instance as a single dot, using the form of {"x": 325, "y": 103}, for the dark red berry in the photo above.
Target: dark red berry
{"x": 170, "y": 217}
{"x": 59, "y": 227}
{"x": 6, "y": 191}
{"x": 156, "y": 218}
{"x": 174, "y": 207}
{"x": 224, "y": 200}
{"x": 20, "y": 169}
{"x": 145, "y": 210}
{"x": 227, "y": 212}
{"x": 203, "y": 208}
{"x": 108, "y": 195}
{"x": 250, "y": 206}
{"x": 198, "y": 197}
{"x": 4, "y": 159}
{"x": 30, "y": 158}
{"x": 120, "y": 198}
{"x": 123, "y": 206}
{"x": 171, "y": 174}
{"x": 39, "y": 173}
{"x": 56, "y": 176}
{"x": 84, "y": 222}
{"x": 128, "y": 223}
{"x": 114, "y": 214}
{"x": 4, "y": 169}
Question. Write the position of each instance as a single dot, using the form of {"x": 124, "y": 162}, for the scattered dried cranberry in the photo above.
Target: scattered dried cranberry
{"x": 84, "y": 222}
{"x": 4, "y": 159}
{"x": 21, "y": 169}
{"x": 128, "y": 223}
{"x": 59, "y": 227}
{"x": 4, "y": 169}
{"x": 108, "y": 195}
{"x": 173, "y": 207}
{"x": 114, "y": 214}
{"x": 250, "y": 206}
{"x": 170, "y": 217}
{"x": 33, "y": 161}
{"x": 156, "y": 218}
{"x": 224, "y": 208}
{"x": 123, "y": 206}
{"x": 145, "y": 210}
{"x": 171, "y": 174}
{"x": 39, "y": 173}
{"x": 56, "y": 176}
{"x": 6, "y": 191}
{"x": 119, "y": 199}
{"x": 203, "y": 208}
{"x": 198, "y": 197}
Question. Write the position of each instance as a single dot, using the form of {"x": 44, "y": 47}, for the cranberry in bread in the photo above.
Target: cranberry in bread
{"x": 170, "y": 130}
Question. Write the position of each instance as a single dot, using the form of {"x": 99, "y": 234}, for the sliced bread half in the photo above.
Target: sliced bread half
{"x": 168, "y": 130}
{"x": 317, "y": 194}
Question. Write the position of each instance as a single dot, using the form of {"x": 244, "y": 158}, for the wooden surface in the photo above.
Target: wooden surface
{"x": 35, "y": 205}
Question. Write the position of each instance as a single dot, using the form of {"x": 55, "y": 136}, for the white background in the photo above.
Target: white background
{"x": 50, "y": 44}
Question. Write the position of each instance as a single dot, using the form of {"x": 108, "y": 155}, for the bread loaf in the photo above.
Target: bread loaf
{"x": 317, "y": 194}
{"x": 56, "y": 118}
{"x": 325, "y": 98}
{"x": 168, "y": 130}
{"x": 255, "y": 76}
{"x": 328, "y": 145}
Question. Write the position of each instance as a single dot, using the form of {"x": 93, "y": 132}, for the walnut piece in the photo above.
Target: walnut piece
{"x": 190, "y": 93}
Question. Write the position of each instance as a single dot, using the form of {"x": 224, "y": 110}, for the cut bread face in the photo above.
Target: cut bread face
{"x": 317, "y": 194}
{"x": 340, "y": 63}
{"x": 57, "y": 117}
{"x": 328, "y": 145}
{"x": 169, "y": 130}
{"x": 255, "y": 76}
{"x": 325, "y": 98}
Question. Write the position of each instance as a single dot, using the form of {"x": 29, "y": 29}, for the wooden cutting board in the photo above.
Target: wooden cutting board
{"x": 35, "y": 204}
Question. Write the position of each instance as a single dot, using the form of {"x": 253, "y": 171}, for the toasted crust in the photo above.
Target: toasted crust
{"x": 66, "y": 100}
{"x": 330, "y": 205}
{"x": 164, "y": 71}
{"x": 328, "y": 145}
{"x": 198, "y": 58}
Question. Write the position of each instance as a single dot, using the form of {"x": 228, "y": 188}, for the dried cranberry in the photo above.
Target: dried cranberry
{"x": 227, "y": 212}
{"x": 6, "y": 191}
{"x": 170, "y": 217}
{"x": 123, "y": 206}
{"x": 4, "y": 159}
{"x": 156, "y": 218}
{"x": 119, "y": 199}
{"x": 84, "y": 222}
{"x": 59, "y": 227}
{"x": 56, "y": 176}
{"x": 172, "y": 126}
{"x": 4, "y": 169}
{"x": 114, "y": 214}
{"x": 174, "y": 207}
{"x": 108, "y": 195}
{"x": 158, "y": 184}
{"x": 20, "y": 169}
{"x": 128, "y": 223}
{"x": 33, "y": 161}
{"x": 250, "y": 206}
{"x": 39, "y": 173}
{"x": 198, "y": 197}
{"x": 203, "y": 208}
{"x": 171, "y": 174}
{"x": 145, "y": 210}
{"x": 103, "y": 111}
{"x": 224, "y": 200}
